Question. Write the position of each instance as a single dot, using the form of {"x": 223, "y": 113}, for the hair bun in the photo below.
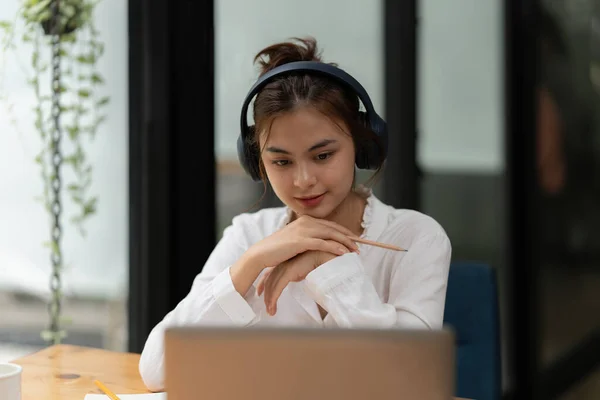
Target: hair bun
{"x": 287, "y": 52}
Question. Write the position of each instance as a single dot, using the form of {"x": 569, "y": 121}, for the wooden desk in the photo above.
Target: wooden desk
{"x": 66, "y": 372}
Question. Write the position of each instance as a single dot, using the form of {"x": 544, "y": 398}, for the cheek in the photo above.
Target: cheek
{"x": 278, "y": 178}
{"x": 339, "y": 173}
{"x": 343, "y": 166}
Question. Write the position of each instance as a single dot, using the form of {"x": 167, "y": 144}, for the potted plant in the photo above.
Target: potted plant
{"x": 65, "y": 48}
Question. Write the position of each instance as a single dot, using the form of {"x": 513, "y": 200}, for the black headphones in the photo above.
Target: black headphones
{"x": 369, "y": 156}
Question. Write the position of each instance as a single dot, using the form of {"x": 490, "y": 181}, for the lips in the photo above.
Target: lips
{"x": 311, "y": 201}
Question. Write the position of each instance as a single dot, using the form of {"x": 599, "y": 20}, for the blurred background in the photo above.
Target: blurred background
{"x": 494, "y": 110}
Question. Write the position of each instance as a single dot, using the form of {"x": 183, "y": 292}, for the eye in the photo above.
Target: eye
{"x": 280, "y": 163}
{"x": 324, "y": 156}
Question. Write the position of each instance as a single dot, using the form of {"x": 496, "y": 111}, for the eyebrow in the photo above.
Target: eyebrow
{"x": 319, "y": 145}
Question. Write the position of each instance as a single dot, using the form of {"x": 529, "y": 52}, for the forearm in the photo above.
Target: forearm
{"x": 245, "y": 271}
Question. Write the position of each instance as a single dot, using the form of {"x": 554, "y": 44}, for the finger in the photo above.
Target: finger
{"x": 332, "y": 244}
{"x": 274, "y": 291}
{"x": 268, "y": 286}
{"x": 261, "y": 282}
{"x": 329, "y": 246}
{"x": 331, "y": 233}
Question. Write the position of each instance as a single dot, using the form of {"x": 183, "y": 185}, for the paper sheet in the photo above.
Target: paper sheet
{"x": 143, "y": 396}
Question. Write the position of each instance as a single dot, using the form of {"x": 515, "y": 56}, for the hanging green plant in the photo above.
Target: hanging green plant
{"x": 63, "y": 75}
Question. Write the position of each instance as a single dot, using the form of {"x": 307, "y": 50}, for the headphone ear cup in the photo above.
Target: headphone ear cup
{"x": 362, "y": 117}
{"x": 380, "y": 129}
{"x": 361, "y": 150}
{"x": 371, "y": 154}
{"x": 248, "y": 154}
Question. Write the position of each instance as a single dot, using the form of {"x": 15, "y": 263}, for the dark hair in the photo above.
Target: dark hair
{"x": 294, "y": 90}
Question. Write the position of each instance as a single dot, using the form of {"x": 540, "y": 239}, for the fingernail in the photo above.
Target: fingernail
{"x": 343, "y": 250}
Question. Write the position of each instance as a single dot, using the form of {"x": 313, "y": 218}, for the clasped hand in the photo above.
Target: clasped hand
{"x": 293, "y": 252}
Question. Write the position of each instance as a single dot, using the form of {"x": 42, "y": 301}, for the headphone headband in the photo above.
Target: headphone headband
{"x": 316, "y": 67}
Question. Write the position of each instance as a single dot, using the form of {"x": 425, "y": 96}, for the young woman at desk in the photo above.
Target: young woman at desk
{"x": 300, "y": 265}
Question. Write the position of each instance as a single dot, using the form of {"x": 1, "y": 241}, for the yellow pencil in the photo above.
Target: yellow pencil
{"x": 106, "y": 390}
{"x": 377, "y": 244}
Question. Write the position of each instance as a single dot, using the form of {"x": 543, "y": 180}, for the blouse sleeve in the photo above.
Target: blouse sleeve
{"x": 212, "y": 300}
{"x": 417, "y": 288}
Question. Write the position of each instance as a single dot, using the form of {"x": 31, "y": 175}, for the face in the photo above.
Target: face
{"x": 309, "y": 161}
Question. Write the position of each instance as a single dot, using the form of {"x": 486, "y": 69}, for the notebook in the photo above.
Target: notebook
{"x": 143, "y": 396}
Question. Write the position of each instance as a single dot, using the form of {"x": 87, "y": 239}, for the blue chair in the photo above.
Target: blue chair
{"x": 472, "y": 312}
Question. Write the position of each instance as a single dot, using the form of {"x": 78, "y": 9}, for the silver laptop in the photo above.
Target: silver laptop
{"x": 308, "y": 364}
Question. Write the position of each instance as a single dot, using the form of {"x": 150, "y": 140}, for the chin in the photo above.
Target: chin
{"x": 318, "y": 212}
{"x": 322, "y": 211}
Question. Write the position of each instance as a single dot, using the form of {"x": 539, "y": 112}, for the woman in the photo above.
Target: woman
{"x": 297, "y": 265}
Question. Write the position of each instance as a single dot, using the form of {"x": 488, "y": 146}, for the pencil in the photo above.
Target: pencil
{"x": 377, "y": 244}
{"x": 106, "y": 390}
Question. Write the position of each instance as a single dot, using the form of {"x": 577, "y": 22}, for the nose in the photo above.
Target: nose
{"x": 304, "y": 177}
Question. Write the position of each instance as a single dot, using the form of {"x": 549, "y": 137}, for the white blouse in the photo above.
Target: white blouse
{"x": 378, "y": 288}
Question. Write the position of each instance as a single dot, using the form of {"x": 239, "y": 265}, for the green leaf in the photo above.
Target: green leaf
{"x": 47, "y": 335}
{"x": 90, "y": 206}
{"x": 103, "y": 101}
{"x": 99, "y": 120}
{"x": 68, "y": 10}
{"x": 54, "y": 337}
{"x": 84, "y": 93}
{"x": 42, "y": 16}
{"x": 68, "y": 38}
{"x": 86, "y": 58}
{"x": 53, "y": 246}
{"x": 69, "y": 159}
{"x": 73, "y": 131}
{"x": 97, "y": 79}
{"x": 6, "y": 25}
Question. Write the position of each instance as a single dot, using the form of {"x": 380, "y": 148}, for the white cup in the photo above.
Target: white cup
{"x": 10, "y": 381}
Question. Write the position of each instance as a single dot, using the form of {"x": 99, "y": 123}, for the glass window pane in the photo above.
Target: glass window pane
{"x": 569, "y": 173}
{"x": 95, "y": 275}
{"x": 460, "y": 127}
{"x": 243, "y": 28}
{"x": 460, "y": 86}
{"x": 460, "y": 151}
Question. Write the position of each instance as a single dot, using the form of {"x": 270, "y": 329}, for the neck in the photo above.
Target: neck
{"x": 349, "y": 213}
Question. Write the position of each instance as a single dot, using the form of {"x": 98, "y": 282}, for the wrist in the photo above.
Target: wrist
{"x": 244, "y": 272}
{"x": 323, "y": 257}
{"x": 253, "y": 262}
